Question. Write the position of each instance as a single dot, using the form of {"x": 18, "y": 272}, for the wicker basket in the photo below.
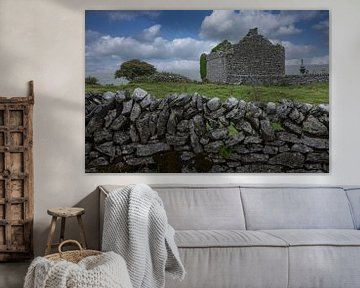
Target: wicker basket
{"x": 72, "y": 256}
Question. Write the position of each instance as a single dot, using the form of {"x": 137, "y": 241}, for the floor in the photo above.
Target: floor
{"x": 12, "y": 274}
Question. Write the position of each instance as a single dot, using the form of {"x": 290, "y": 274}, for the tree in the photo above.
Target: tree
{"x": 134, "y": 68}
{"x": 90, "y": 80}
{"x": 203, "y": 71}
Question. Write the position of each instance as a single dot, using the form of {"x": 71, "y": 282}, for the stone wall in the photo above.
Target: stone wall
{"x": 192, "y": 133}
{"x": 216, "y": 67}
{"x": 277, "y": 79}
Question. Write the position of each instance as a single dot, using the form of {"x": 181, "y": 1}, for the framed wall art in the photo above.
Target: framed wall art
{"x": 211, "y": 91}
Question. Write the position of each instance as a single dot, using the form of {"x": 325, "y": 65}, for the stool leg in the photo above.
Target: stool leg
{"x": 62, "y": 231}
{"x": 51, "y": 235}
{"x": 82, "y": 232}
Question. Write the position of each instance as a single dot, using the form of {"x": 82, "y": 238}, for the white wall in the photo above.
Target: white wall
{"x": 43, "y": 40}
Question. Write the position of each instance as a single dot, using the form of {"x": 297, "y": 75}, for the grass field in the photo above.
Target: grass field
{"x": 313, "y": 93}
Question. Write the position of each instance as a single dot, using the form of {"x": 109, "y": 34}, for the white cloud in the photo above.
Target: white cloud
{"x": 288, "y": 30}
{"x": 128, "y": 15}
{"x": 180, "y": 55}
{"x": 188, "y": 68}
{"x": 296, "y": 15}
{"x": 295, "y": 51}
{"x": 149, "y": 45}
{"x": 91, "y": 36}
{"x": 165, "y": 65}
{"x": 315, "y": 60}
{"x": 322, "y": 26}
{"x": 149, "y": 34}
{"x": 233, "y": 25}
{"x": 320, "y": 60}
{"x": 292, "y": 62}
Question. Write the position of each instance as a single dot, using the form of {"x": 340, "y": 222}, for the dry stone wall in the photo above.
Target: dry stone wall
{"x": 192, "y": 133}
{"x": 277, "y": 79}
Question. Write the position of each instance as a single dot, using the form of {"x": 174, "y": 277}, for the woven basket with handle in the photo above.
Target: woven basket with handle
{"x": 72, "y": 256}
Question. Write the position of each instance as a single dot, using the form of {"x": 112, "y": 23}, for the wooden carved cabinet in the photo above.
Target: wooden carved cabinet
{"x": 16, "y": 177}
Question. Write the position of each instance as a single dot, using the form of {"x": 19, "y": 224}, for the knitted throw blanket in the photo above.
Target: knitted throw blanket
{"x": 136, "y": 227}
{"x": 103, "y": 271}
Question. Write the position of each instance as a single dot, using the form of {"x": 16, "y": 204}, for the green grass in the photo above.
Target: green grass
{"x": 313, "y": 93}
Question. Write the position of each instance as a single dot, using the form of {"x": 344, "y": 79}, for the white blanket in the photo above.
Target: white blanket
{"x": 136, "y": 227}
{"x": 103, "y": 271}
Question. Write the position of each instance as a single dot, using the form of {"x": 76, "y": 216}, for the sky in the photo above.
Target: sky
{"x": 173, "y": 40}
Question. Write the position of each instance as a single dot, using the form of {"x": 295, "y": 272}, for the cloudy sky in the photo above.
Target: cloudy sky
{"x": 173, "y": 40}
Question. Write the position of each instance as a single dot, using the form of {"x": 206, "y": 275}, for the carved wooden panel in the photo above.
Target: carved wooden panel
{"x": 16, "y": 177}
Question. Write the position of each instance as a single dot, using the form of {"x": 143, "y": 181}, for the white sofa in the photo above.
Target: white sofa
{"x": 263, "y": 237}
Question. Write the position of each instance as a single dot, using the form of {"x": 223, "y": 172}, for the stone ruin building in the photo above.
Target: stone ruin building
{"x": 253, "y": 56}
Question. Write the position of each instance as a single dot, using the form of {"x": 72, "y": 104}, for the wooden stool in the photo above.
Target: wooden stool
{"x": 64, "y": 213}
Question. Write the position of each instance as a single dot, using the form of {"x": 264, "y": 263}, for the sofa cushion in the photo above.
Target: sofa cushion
{"x": 226, "y": 238}
{"x": 324, "y": 266}
{"x": 315, "y": 237}
{"x": 191, "y": 207}
{"x": 322, "y": 258}
{"x": 354, "y": 198}
{"x": 225, "y": 267}
{"x": 296, "y": 208}
{"x": 203, "y": 208}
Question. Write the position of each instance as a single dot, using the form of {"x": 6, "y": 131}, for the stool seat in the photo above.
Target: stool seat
{"x": 66, "y": 211}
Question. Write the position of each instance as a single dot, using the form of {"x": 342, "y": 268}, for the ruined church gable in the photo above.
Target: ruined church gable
{"x": 254, "y": 55}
